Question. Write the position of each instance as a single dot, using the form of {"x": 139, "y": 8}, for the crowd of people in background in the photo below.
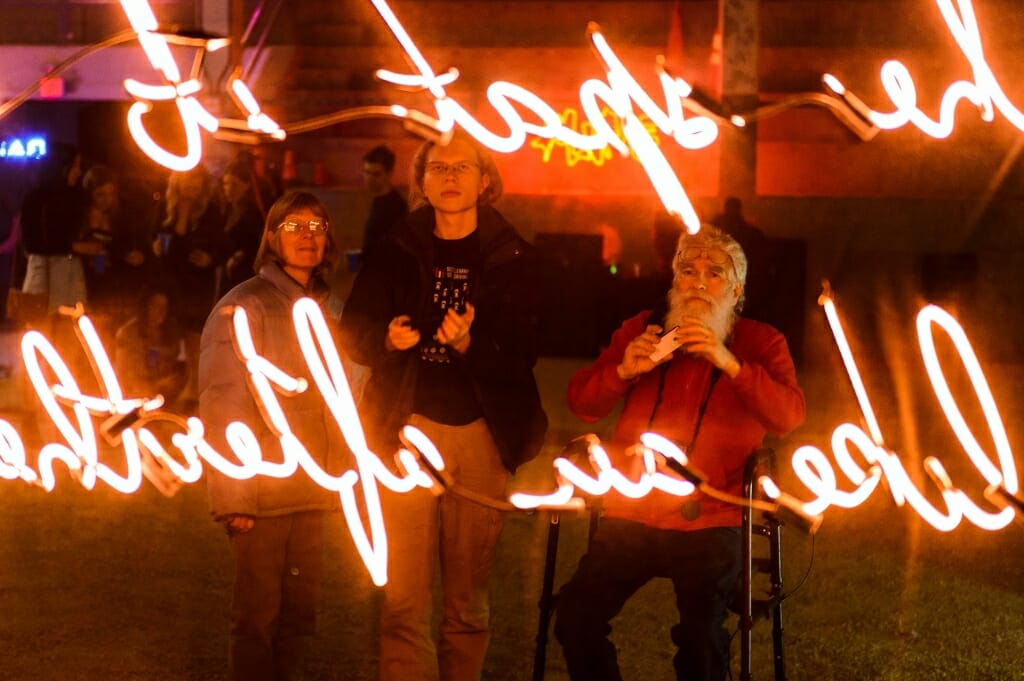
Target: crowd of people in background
{"x": 146, "y": 269}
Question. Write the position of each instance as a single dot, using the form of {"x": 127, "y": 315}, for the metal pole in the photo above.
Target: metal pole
{"x": 776, "y": 559}
{"x": 746, "y": 584}
{"x": 547, "y": 598}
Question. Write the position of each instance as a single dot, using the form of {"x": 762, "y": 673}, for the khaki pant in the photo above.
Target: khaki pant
{"x": 424, "y": 531}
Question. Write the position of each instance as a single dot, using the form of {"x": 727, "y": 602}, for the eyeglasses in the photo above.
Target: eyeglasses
{"x": 715, "y": 255}
{"x": 311, "y": 226}
{"x": 442, "y": 169}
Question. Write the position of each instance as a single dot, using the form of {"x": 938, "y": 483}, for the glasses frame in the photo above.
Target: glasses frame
{"x": 442, "y": 169}
{"x": 691, "y": 253}
{"x": 325, "y": 226}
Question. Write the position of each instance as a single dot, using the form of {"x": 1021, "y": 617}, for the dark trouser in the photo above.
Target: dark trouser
{"x": 704, "y": 567}
{"x": 277, "y": 584}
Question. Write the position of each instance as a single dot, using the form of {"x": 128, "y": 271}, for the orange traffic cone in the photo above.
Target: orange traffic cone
{"x": 289, "y": 171}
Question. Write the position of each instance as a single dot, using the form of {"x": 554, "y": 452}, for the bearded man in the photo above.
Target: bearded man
{"x": 729, "y": 383}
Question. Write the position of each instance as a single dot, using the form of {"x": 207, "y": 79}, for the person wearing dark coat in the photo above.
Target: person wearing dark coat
{"x": 388, "y": 206}
{"x": 445, "y": 314}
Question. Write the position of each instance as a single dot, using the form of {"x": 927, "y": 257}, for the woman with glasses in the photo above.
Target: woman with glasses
{"x": 275, "y": 525}
{"x": 445, "y": 313}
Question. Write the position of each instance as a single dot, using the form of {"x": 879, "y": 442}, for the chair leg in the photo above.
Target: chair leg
{"x": 775, "y": 549}
{"x": 770, "y": 529}
{"x": 547, "y": 598}
{"x": 746, "y": 623}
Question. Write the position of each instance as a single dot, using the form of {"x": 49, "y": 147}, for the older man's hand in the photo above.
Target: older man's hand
{"x": 637, "y": 358}
{"x": 701, "y": 340}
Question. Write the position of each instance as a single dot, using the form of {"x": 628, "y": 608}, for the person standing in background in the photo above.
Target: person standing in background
{"x": 51, "y": 217}
{"x": 149, "y": 350}
{"x": 112, "y": 256}
{"x": 244, "y": 220}
{"x": 190, "y": 245}
{"x": 757, "y": 249}
{"x": 388, "y": 206}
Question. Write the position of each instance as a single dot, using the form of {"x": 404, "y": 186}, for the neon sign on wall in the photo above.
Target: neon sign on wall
{"x": 28, "y": 148}
{"x": 573, "y": 156}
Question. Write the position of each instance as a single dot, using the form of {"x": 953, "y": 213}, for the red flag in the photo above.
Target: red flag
{"x": 715, "y": 63}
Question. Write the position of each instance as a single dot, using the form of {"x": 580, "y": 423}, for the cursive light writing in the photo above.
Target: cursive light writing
{"x": 79, "y": 452}
{"x": 817, "y": 473}
{"x": 194, "y": 116}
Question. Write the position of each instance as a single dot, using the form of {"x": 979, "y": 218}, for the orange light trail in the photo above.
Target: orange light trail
{"x": 984, "y": 92}
{"x": 194, "y": 116}
{"x": 72, "y": 413}
{"x": 620, "y": 92}
{"x": 816, "y": 472}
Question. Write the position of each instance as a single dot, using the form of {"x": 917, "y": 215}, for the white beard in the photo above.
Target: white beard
{"x": 718, "y": 315}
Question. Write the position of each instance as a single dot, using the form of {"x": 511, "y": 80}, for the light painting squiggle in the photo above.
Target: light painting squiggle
{"x": 984, "y": 92}
{"x": 816, "y": 472}
{"x": 140, "y": 445}
{"x": 183, "y": 93}
{"x": 619, "y": 92}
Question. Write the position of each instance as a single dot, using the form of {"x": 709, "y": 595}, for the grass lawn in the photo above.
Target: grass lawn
{"x": 98, "y": 585}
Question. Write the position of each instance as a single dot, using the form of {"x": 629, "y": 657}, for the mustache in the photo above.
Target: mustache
{"x": 717, "y": 315}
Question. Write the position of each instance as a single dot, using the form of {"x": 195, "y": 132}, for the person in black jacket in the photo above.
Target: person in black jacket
{"x": 445, "y": 313}
{"x": 388, "y": 206}
{"x": 244, "y": 220}
{"x": 51, "y": 215}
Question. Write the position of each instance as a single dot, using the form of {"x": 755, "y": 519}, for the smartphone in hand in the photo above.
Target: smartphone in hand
{"x": 667, "y": 344}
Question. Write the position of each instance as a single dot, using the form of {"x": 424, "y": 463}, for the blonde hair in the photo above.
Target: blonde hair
{"x": 488, "y": 169}
{"x": 173, "y": 197}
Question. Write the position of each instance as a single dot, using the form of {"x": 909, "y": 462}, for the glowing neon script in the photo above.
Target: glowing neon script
{"x": 620, "y": 93}
{"x": 573, "y": 156}
{"x": 145, "y": 455}
{"x": 985, "y": 92}
{"x": 817, "y": 473}
{"x": 193, "y": 115}
{"x": 570, "y": 477}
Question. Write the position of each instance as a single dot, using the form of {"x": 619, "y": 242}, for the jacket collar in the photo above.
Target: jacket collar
{"x": 492, "y": 227}
{"x": 279, "y": 279}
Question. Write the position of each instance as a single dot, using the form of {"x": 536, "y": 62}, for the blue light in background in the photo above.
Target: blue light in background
{"x": 29, "y": 148}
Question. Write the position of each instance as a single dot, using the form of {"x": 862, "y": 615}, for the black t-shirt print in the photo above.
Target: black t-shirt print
{"x": 444, "y": 390}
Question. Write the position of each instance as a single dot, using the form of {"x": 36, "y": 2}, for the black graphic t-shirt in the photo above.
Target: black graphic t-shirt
{"x": 444, "y": 391}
